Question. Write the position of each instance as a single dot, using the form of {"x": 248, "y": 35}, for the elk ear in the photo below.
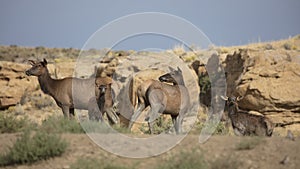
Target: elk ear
{"x": 45, "y": 62}
{"x": 179, "y": 70}
{"x": 239, "y": 98}
{"x": 31, "y": 62}
{"x": 224, "y": 98}
{"x": 171, "y": 69}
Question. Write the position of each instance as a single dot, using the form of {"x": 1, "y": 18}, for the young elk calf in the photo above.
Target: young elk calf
{"x": 105, "y": 102}
{"x": 244, "y": 123}
{"x": 69, "y": 93}
{"x": 164, "y": 98}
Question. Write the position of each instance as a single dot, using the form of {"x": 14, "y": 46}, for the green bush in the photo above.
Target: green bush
{"x": 220, "y": 129}
{"x": 91, "y": 163}
{"x": 160, "y": 125}
{"x": 10, "y": 124}
{"x": 185, "y": 160}
{"x": 30, "y": 148}
{"x": 205, "y": 84}
{"x": 57, "y": 124}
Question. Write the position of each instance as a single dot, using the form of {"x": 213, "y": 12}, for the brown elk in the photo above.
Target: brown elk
{"x": 164, "y": 98}
{"x": 69, "y": 93}
{"x": 244, "y": 123}
{"x": 105, "y": 102}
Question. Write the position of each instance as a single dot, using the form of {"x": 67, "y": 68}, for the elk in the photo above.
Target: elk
{"x": 69, "y": 93}
{"x": 244, "y": 123}
{"x": 163, "y": 98}
{"x": 105, "y": 101}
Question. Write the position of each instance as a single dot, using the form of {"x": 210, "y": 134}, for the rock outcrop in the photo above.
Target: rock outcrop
{"x": 14, "y": 83}
{"x": 269, "y": 81}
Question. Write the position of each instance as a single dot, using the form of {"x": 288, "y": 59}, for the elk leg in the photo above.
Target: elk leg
{"x": 178, "y": 124}
{"x": 136, "y": 114}
{"x": 66, "y": 111}
{"x": 112, "y": 116}
{"x": 72, "y": 113}
{"x": 154, "y": 114}
{"x": 93, "y": 110}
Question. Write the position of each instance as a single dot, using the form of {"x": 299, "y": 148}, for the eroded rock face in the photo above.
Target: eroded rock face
{"x": 269, "y": 81}
{"x": 14, "y": 83}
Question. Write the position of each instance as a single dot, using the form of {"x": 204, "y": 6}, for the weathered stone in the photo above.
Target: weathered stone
{"x": 269, "y": 82}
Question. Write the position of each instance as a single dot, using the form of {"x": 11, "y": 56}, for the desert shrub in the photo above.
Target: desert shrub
{"x": 162, "y": 124}
{"x": 249, "y": 144}
{"x": 185, "y": 160}
{"x": 43, "y": 102}
{"x": 204, "y": 83}
{"x": 220, "y": 129}
{"x": 121, "y": 129}
{"x": 31, "y": 148}
{"x": 10, "y": 124}
{"x": 287, "y": 46}
{"x": 92, "y": 163}
{"x": 268, "y": 47}
{"x": 58, "y": 124}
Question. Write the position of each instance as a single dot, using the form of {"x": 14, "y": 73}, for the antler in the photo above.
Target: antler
{"x": 224, "y": 98}
{"x": 31, "y": 62}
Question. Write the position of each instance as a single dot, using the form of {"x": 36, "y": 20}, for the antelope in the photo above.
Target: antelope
{"x": 69, "y": 93}
{"x": 244, "y": 123}
{"x": 172, "y": 99}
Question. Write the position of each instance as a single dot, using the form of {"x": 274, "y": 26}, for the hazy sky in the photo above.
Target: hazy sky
{"x": 69, "y": 23}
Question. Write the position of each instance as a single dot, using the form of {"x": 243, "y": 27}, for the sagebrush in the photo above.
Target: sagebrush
{"x": 32, "y": 147}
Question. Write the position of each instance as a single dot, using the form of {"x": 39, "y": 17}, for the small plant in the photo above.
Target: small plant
{"x": 161, "y": 124}
{"x": 91, "y": 163}
{"x": 249, "y": 144}
{"x": 43, "y": 102}
{"x": 205, "y": 84}
{"x": 29, "y": 149}
{"x": 287, "y": 46}
{"x": 185, "y": 160}
{"x": 10, "y": 124}
{"x": 57, "y": 124}
{"x": 220, "y": 129}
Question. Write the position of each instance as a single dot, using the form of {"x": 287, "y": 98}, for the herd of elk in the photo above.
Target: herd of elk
{"x": 167, "y": 95}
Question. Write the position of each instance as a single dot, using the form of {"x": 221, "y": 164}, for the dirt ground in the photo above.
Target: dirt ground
{"x": 274, "y": 152}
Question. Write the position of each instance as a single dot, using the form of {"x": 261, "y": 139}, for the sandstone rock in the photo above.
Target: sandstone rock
{"x": 14, "y": 83}
{"x": 268, "y": 80}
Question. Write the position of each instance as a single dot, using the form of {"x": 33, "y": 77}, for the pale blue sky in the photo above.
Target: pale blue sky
{"x": 69, "y": 23}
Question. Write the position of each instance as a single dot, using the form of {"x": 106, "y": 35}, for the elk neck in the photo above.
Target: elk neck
{"x": 233, "y": 108}
{"x": 180, "y": 82}
{"x": 46, "y": 83}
